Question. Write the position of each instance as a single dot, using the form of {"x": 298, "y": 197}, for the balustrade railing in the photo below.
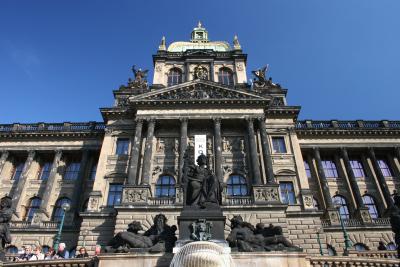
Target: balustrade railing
{"x": 53, "y": 127}
{"x": 358, "y": 222}
{"x": 234, "y": 201}
{"x": 381, "y": 254}
{"x": 162, "y": 201}
{"x": 381, "y": 221}
{"x": 347, "y": 124}
{"x": 328, "y": 261}
{"x": 49, "y": 225}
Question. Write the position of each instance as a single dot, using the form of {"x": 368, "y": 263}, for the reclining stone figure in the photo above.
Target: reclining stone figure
{"x": 245, "y": 238}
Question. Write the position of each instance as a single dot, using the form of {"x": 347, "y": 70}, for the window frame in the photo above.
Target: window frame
{"x": 344, "y": 210}
{"x": 32, "y": 208}
{"x": 115, "y": 194}
{"x": 240, "y": 184}
{"x": 226, "y": 77}
{"x": 18, "y": 168}
{"x": 45, "y": 171}
{"x": 286, "y": 194}
{"x": 384, "y": 169}
{"x": 285, "y": 146}
{"x": 307, "y": 169}
{"x": 371, "y": 206}
{"x": 160, "y": 186}
{"x": 357, "y": 167}
{"x": 329, "y": 170}
{"x": 72, "y": 169}
{"x": 122, "y": 149}
{"x": 174, "y": 76}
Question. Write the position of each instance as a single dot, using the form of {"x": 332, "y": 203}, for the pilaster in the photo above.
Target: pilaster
{"x": 266, "y": 149}
{"x": 135, "y": 152}
{"x": 255, "y": 167}
{"x": 148, "y": 153}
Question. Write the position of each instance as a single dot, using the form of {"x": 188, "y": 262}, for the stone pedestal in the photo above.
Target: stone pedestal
{"x": 333, "y": 215}
{"x": 190, "y": 215}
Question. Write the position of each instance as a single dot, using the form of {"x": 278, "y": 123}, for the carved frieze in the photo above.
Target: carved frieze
{"x": 135, "y": 195}
{"x": 266, "y": 193}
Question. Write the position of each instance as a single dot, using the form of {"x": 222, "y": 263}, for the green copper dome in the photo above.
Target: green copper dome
{"x": 199, "y": 41}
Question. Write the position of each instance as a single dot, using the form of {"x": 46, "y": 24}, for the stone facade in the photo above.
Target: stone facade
{"x": 274, "y": 168}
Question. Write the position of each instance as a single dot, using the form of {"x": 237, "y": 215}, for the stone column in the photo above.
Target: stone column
{"x": 331, "y": 212}
{"x": 17, "y": 194}
{"x": 182, "y": 146}
{"x": 148, "y": 153}
{"x": 253, "y": 153}
{"x": 218, "y": 149}
{"x": 3, "y": 159}
{"x": 266, "y": 151}
{"x": 322, "y": 179}
{"x": 380, "y": 177}
{"x": 50, "y": 184}
{"x": 362, "y": 211}
{"x": 212, "y": 71}
{"x": 135, "y": 152}
{"x": 80, "y": 182}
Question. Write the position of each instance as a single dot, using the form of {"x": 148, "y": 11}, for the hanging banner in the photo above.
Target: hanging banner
{"x": 200, "y": 145}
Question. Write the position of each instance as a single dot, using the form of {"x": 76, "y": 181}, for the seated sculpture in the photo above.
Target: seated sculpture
{"x": 245, "y": 238}
{"x": 202, "y": 188}
{"x": 159, "y": 238}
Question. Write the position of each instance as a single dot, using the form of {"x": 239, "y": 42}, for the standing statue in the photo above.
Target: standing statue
{"x": 162, "y": 235}
{"x": 5, "y": 217}
{"x": 140, "y": 78}
{"x": 202, "y": 187}
{"x": 395, "y": 221}
{"x": 261, "y": 80}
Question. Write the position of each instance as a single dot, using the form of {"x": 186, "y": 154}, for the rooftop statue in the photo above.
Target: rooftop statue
{"x": 261, "y": 78}
{"x": 159, "y": 238}
{"x": 202, "y": 189}
{"x": 140, "y": 78}
{"x": 5, "y": 217}
{"x": 245, "y": 237}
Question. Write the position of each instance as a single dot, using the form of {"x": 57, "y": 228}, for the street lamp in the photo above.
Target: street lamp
{"x": 65, "y": 207}
{"x": 347, "y": 242}
{"x": 319, "y": 231}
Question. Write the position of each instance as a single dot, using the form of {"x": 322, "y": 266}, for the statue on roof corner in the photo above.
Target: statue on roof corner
{"x": 140, "y": 78}
{"x": 261, "y": 78}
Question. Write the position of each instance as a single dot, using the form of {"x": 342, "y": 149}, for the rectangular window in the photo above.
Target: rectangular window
{"x": 330, "y": 170}
{"x": 385, "y": 169}
{"x": 45, "y": 171}
{"x": 278, "y": 145}
{"x": 122, "y": 146}
{"x": 286, "y": 190}
{"x": 93, "y": 171}
{"x": 72, "y": 171}
{"x": 307, "y": 168}
{"x": 357, "y": 168}
{"x": 114, "y": 195}
{"x": 17, "y": 170}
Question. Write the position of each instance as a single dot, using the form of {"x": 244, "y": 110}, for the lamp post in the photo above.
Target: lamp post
{"x": 318, "y": 230}
{"x": 65, "y": 207}
{"x": 347, "y": 241}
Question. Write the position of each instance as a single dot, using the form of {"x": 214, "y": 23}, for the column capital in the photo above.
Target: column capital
{"x": 250, "y": 119}
{"x": 261, "y": 118}
{"x": 184, "y": 120}
{"x": 31, "y": 153}
{"x": 139, "y": 120}
{"x": 58, "y": 151}
{"x": 217, "y": 119}
{"x": 151, "y": 120}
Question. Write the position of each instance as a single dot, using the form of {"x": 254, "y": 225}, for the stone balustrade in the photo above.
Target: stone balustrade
{"x": 53, "y": 127}
{"x": 358, "y": 222}
{"x": 334, "y": 261}
{"x": 346, "y": 125}
{"x": 381, "y": 254}
{"x": 239, "y": 201}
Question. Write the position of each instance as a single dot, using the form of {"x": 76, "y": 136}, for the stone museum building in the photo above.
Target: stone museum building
{"x": 305, "y": 176}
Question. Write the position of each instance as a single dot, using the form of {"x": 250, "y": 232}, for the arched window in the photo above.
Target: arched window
{"x": 331, "y": 250}
{"x": 174, "y": 77}
{"x": 12, "y": 249}
{"x": 236, "y": 186}
{"x": 165, "y": 186}
{"x": 360, "y": 247}
{"x": 391, "y": 246}
{"x": 58, "y": 210}
{"x": 34, "y": 206}
{"x": 369, "y": 202}
{"x": 343, "y": 209}
{"x": 225, "y": 76}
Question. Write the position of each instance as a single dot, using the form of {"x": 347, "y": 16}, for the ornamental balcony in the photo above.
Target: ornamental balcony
{"x": 385, "y": 222}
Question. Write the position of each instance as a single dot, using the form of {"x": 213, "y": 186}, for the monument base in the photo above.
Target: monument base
{"x": 190, "y": 215}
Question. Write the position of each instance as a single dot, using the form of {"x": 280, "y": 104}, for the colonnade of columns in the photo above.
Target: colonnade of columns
{"x": 134, "y": 164}
{"x": 350, "y": 177}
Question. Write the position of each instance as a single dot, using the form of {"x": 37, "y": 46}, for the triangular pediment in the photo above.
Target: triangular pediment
{"x": 199, "y": 91}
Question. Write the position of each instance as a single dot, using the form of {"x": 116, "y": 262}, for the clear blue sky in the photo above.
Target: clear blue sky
{"x": 60, "y": 60}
